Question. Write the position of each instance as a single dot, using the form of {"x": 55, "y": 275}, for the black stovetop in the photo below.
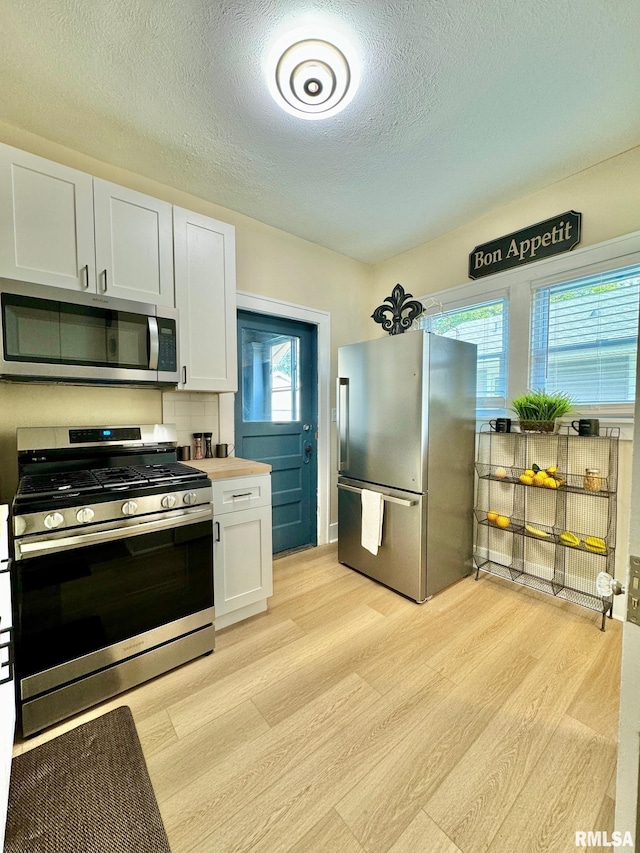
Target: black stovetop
{"x": 105, "y": 480}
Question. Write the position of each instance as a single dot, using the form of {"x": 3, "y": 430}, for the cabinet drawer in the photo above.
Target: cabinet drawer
{"x": 241, "y": 493}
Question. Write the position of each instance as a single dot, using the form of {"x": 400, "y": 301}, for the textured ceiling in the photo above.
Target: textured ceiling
{"x": 463, "y": 104}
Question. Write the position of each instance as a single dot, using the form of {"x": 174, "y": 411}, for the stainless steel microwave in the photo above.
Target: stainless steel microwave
{"x": 55, "y": 335}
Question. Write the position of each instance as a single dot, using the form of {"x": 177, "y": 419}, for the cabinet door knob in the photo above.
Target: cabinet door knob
{"x": 86, "y": 276}
{"x": 105, "y": 281}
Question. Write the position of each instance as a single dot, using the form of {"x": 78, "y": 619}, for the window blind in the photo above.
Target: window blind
{"x": 483, "y": 324}
{"x": 584, "y": 336}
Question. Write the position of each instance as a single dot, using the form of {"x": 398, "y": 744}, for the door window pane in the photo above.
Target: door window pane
{"x": 270, "y": 376}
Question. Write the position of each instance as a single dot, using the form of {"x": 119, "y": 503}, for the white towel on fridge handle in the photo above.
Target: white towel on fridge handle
{"x": 372, "y": 514}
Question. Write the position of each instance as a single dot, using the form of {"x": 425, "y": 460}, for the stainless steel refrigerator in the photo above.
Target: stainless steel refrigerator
{"x": 406, "y": 426}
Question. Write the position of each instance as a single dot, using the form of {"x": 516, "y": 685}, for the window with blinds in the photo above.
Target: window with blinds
{"x": 584, "y": 336}
{"x": 483, "y": 324}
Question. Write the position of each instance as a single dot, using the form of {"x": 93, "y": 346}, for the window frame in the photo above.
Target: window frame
{"x": 518, "y": 285}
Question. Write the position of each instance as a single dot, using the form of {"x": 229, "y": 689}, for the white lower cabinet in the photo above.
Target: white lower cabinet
{"x": 242, "y": 558}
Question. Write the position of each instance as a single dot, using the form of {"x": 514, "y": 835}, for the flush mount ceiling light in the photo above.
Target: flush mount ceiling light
{"x": 313, "y": 76}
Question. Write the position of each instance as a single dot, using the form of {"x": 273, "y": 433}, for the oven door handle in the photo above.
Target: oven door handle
{"x": 124, "y": 529}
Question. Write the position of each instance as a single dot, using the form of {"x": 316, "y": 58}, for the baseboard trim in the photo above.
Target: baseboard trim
{"x": 240, "y": 614}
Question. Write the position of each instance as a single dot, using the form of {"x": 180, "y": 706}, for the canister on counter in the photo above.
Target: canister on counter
{"x": 592, "y": 480}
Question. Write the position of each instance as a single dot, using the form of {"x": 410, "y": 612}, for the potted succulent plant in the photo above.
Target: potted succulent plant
{"x": 538, "y": 410}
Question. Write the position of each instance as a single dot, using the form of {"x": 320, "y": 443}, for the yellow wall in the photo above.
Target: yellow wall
{"x": 270, "y": 262}
{"x": 56, "y": 405}
{"x": 605, "y": 194}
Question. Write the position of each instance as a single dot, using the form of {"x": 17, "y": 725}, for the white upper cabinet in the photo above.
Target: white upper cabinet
{"x": 134, "y": 250}
{"x": 62, "y": 227}
{"x": 205, "y": 287}
{"x": 46, "y": 222}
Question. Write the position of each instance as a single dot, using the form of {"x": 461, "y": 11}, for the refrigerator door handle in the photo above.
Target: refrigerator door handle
{"x": 342, "y": 399}
{"x": 388, "y": 498}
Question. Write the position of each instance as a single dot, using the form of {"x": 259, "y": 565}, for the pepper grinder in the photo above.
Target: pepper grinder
{"x": 197, "y": 452}
{"x": 208, "y": 449}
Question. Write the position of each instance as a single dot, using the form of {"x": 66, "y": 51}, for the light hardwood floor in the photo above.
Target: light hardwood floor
{"x": 349, "y": 719}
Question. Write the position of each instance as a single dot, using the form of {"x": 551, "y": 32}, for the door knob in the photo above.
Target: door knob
{"x": 306, "y": 427}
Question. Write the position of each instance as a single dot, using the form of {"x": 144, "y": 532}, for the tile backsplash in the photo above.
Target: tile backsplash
{"x": 191, "y": 413}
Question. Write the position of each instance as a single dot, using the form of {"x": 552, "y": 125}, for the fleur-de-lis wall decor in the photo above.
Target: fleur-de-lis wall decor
{"x": 402, "y": 310}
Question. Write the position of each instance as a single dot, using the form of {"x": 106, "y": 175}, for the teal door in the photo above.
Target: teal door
{"x": 276, "y": 418}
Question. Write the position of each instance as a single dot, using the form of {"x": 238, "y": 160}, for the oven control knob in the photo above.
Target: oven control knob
{"x": 53, "y": 520}
{"x": 168, "y": 501}
{"x": 190, "y": 498}
{"x": 85, "y": 515}
{"x": 129, "y": 508}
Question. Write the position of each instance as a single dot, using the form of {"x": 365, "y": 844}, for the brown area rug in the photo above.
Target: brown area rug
{"x": 86, "y": 790}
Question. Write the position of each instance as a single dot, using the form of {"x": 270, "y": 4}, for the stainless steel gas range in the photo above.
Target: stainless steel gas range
{"x": 112, "y": 565}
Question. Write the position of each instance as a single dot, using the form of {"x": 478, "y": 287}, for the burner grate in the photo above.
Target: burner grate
{"x": 169, "y": 471}
{"x": 123, "y": 476}
{"x": 34, "y": 485}
{"x": 56, "y": 485}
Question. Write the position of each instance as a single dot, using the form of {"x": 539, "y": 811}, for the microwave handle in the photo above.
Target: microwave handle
{"x": 154, "y": 343}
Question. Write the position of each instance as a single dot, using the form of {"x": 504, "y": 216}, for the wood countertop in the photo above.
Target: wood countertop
{"x": 231, "y": 466}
